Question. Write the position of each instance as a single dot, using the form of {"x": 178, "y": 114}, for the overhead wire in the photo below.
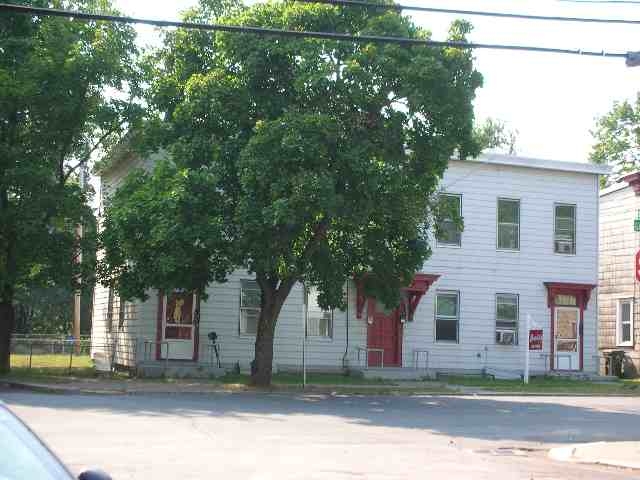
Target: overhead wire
{"x": 52, "y": 12}
{"x": 522, "y": 16}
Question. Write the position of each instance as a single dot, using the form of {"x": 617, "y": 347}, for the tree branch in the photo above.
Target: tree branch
{"x": 87, "y": 157}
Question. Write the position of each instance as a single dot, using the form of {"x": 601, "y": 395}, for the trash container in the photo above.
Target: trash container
{"x": 614, "y": 363}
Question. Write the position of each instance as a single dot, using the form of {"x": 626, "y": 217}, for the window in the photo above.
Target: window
{"x": 506, "y": 319}
{"x": 508, "y": 224}
{"x": 566, "y": 300}
{"x": 319, "y": 321}
{"x": 624, "y": 323}
{"x": 449, "y": 233}
{"x": 250, "y": 300}
{"x": 447, "y": 316}
{"x": 565, "y": 229}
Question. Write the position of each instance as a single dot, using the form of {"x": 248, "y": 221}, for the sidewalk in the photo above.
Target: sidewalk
{"x": 108, "y": 386}
{"x": 617, "y": 454}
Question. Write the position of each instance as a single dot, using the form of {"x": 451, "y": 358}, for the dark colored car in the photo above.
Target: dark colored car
{"x": 23, "y": 456}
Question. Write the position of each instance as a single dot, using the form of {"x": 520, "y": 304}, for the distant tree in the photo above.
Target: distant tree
{"x": 302, "y": 160}
{"x": 617, "y": 138}
{"x": 54, "y": 116}
{"x": 494, "y": 135}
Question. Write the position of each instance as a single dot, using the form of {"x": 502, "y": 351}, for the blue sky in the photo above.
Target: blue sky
{"x": 552, "y": 100}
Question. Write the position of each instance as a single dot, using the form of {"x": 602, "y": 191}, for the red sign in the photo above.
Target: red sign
{"x": 638, "y": 265}
{"x": 535, "y": 339}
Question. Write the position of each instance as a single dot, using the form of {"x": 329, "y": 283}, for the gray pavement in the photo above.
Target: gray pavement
{"x": 295, "y": 436}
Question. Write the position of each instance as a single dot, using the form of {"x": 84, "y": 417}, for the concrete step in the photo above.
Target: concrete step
{"x": 396, "y": 373}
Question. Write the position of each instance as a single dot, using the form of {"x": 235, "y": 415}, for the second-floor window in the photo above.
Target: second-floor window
{"x": 319, "y": 321}
{"x": 564, "y": 238}
{"x": 250, "y": 301}
{"x": 508, "y": 224}
{"x": 449, "y": 233}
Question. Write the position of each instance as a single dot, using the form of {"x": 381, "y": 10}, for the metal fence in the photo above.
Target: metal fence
{"x": 55, "y": 354}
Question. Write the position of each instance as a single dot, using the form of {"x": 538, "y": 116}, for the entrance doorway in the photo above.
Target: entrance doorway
{"x": 384, "y": 333}
{"x": 178, "y": 326}
{"x": 567, "y": 338}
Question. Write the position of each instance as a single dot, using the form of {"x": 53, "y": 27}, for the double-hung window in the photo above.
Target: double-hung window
{"x": 447, "y": 316}
{"x": 624, "y": 323}
{"x": 508, "y": 224}
{"x": 449, "y": 233}
{"x": 319, "y": 321}
{"x": 250, "y": 298}
{"x": 506, "y": 319}
{"x": 565, "y": 229}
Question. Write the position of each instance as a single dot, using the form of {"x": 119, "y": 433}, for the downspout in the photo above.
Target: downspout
{"x": 346, "y": 348}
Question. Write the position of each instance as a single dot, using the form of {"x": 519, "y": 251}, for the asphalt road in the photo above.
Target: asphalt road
{"x": 276, "y": 436}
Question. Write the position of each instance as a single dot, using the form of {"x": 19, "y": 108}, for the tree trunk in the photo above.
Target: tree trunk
{"x": 6, "y": 328}
{"x": 261, "y": 373}
{"x": 272, "y": 301}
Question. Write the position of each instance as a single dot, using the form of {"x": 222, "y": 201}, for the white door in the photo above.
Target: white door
{"x": 178, "y": 326}
{"x": 567, "y": 338}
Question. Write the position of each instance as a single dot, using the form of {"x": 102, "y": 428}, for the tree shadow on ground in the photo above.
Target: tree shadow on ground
{"x": 554, "y": 420}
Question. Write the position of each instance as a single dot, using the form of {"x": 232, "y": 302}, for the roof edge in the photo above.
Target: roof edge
{"x": 540, "y": 163}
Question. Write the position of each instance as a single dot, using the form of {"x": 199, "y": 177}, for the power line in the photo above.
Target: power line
{"x": 51, "y": 12}
{"x": 619, "y": 2}
{"x": 398, "y": 7}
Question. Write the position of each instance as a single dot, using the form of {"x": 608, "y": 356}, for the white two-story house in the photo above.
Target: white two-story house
{"x": 529, "y": 247}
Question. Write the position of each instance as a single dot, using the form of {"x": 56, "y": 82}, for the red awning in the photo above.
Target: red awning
{"x": 582, "y": 292}
{"x": 413, "y": 293}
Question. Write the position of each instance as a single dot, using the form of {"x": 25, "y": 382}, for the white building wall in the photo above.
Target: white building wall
{"x": 479, "y": 271}
{"x": 476, "y": 269}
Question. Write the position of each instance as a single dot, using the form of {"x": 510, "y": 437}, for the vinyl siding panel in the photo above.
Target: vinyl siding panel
{"x": 477, "y": 270}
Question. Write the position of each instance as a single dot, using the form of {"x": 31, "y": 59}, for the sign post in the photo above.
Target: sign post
{"x": 535, "y": 343}
{"x": 526, "y": 351}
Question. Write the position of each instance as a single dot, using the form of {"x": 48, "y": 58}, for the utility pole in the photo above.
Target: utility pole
{"x": 77, "y": 300}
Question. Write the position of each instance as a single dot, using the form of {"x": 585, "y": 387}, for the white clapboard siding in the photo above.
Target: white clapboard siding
{"x": 476, "y": 269}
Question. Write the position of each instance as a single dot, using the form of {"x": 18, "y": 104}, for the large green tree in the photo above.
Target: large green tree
{"x": 301, "y": 160}
{"x": 617, "y": 137}
{"x": 54, "y": 116}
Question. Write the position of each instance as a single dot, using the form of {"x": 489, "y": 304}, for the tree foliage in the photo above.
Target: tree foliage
{"x": 298, "y": 159}
{"x": 493, "y": 134}
{"x": 617, "y": 137}
{"x": 54, "y": 115}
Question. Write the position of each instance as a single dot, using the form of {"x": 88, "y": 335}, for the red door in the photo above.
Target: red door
{"x": 386, "y": 333}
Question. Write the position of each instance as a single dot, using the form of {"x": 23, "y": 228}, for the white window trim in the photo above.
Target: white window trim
{"x": 619, "y": 341}
{"x": 241, "y": 308}
{"x": 458, "y": 318}
{"x": 502, "y": 249}
{"x": 575, "y": 229}
{"x": 452, "y": 245}
{"x": 516, "y": 330}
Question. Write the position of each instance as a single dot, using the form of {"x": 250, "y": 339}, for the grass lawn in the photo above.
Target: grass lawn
{"x": 549, "y": 385}
{"x": 51, "y": 365}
